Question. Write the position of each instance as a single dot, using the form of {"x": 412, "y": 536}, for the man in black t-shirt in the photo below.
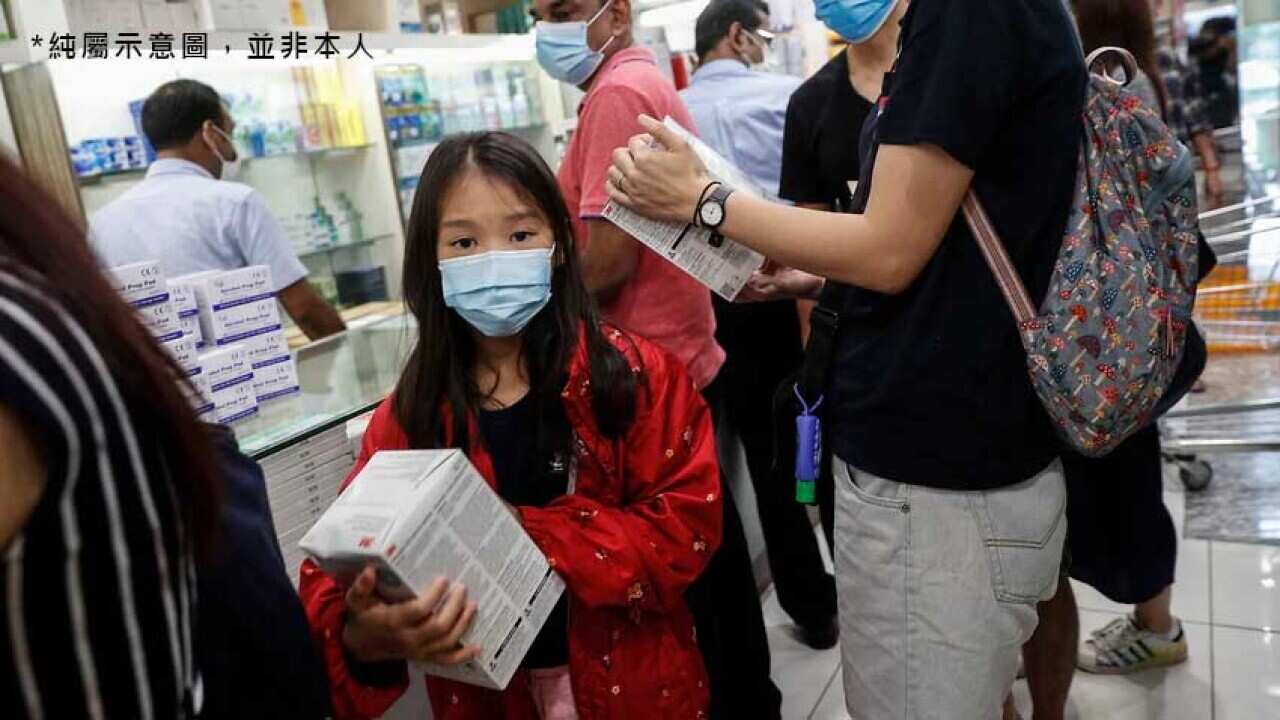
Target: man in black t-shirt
{"x": 950, "y": 494}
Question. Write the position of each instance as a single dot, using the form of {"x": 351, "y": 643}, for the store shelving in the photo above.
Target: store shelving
{"x": 330, "y": 249}
{"x": 134, "y": 173}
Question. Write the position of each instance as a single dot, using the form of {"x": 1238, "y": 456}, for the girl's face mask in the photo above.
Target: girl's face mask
{"x": 498, "y": 292}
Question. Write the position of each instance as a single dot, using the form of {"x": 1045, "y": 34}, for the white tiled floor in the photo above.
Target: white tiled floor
{"x": 1227, "y": 594}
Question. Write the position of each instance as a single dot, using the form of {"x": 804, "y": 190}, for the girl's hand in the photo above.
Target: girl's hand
{"x": 780, "y": 283}
{"x": 427, "y": 629}
{"x": 660, "y": 183}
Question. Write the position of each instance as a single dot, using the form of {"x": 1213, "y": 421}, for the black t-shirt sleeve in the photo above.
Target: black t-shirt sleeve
{"x": 799, "y": 180}
{"x": 957, "y": 76}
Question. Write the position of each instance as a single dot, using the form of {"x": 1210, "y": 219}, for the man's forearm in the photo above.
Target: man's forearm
{"x": 884, "y": 249}
{"x": 609, "y": 259}
{"x": 320, "y": 321}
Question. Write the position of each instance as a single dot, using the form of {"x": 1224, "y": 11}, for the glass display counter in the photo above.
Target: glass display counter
{"x": 341, "y": 376}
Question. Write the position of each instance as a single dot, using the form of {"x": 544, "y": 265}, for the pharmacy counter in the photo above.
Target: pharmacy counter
{"x": 301, "y": 441}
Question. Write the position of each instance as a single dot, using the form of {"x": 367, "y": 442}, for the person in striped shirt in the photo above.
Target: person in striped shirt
{"x": 108, "y": 485}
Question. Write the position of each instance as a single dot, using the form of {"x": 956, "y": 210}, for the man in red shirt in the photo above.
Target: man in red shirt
{"x": 589, "y": 44}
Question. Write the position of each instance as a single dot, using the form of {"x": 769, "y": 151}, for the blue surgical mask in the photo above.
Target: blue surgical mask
{"x": 854, "y": 20}
{"x": 498, "y": 292}
{"x": 563, "y": 50}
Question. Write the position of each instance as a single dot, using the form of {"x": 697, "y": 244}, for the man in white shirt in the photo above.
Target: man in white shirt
{"x": 187, "y": 214}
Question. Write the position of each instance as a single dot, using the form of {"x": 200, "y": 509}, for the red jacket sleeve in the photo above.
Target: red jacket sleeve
{"x": 646, "y": 552}
{"x": 325, "y": 603}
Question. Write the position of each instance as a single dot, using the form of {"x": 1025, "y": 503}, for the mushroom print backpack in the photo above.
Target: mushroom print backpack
{"x": 1105, "y": 344}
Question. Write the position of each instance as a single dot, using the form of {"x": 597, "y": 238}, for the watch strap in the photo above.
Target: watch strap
{"x": 702, "y": 197}
{"x": 718, "y": 195}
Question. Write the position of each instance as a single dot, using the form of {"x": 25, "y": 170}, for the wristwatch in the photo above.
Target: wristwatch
{"x": 711, "y": 212}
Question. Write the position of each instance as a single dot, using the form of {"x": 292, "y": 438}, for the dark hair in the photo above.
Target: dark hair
{"x": 41, "y": 242}
{"x": 174, "y": 113}
{"x": 719, "y": 16}
{"x": 439, "y": 370}
{"x": 1126, "y": 24}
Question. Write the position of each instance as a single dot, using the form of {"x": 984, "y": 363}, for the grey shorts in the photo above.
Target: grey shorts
{"x": 938, "y": 590}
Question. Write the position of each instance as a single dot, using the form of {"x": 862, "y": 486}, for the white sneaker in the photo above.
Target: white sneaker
{"x": 1121, "y": 647}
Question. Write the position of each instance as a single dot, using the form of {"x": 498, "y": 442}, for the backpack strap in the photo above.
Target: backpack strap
{"x": 993, "y": 251}
{"x": 1125, "y": 57}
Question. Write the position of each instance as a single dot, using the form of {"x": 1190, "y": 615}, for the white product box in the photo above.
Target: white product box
{"x": 190, "y": 327}
{"x": 281, "y": 464}
{"x": 422, "y": 514}
{"x": 219, "y": 290}
{"x": 199, "y": 395}
{"x": 183, "y": 351}
{"x": 183, "y": 296}
{"x": 276, "y": 380}
{"x": 269, "y": 348}
{"x": 240, "y": 323}
{"x": 225, "y": 367}
{"x": 356, "y": 428}
{"x": 160, "y": 320}
{"x": 234, "y": 402}
{"x": 139, "y": 283}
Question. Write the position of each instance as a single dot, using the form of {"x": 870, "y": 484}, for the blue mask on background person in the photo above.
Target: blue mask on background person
{"x": 563, "y": 50}
{"x": 498, "y": 292}
{"x": 854, "y": 20}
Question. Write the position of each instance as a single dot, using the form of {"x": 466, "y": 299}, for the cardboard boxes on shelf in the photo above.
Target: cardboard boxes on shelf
{"x": 143, "y": 285}
{"x": 238, "y": 308}
{"x": 230, "y": 380}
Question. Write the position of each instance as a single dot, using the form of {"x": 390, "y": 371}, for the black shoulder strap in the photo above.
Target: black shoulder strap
{"x": 824, "y": 323}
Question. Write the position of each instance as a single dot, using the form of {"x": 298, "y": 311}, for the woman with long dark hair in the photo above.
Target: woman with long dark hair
{"x": 1123, "y": 541}
{"x": 107, "y": 482}
{"x": 598, "y": 440}
{"x": 1127, "y": 24}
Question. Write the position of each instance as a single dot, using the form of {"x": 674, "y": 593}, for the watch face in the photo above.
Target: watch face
{"x": 712, "y": 213}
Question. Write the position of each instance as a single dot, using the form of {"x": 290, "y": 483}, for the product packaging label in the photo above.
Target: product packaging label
{"x": 422, "y": 514}
{"x": 140, "y": 284}
{"x": 226, "y": 367}
{"x": 719, "y": 263}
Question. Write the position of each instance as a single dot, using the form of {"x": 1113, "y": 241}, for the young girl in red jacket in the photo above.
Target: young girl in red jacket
{"x": 598, "y": 440}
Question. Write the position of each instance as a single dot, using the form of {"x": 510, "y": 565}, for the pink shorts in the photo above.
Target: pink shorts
{"x": 553, "y": 693}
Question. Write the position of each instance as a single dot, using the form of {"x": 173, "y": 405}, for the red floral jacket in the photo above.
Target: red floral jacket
{"x": 642, "y": 522}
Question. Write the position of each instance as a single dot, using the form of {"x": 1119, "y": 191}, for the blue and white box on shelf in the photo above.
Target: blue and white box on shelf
{"x": 230, "y": 379}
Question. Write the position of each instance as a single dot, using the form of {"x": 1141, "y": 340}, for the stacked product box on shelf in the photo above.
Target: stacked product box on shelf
{"x": 302, "y": 481}
{"x": 183, "y": 297}
{"x": 144, "y": 287}
{"x": 238, "y": 307}
{"x": 230, "y": 380}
